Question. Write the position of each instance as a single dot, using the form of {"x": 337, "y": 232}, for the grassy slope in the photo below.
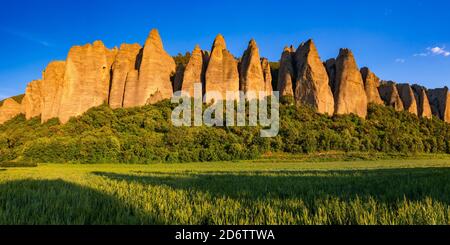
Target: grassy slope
{"x": 289, "y": 192}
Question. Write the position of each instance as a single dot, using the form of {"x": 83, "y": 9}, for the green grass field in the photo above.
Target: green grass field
{"x": 265, "y": 192}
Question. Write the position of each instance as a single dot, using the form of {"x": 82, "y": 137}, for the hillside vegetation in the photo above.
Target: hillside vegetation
{"x": 146, "y": 135}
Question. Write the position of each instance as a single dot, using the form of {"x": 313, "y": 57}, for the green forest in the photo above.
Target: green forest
{"x": 146, "y": 135}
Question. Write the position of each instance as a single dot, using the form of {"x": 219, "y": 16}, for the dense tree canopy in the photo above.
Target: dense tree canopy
{"x": 145, "y": 135}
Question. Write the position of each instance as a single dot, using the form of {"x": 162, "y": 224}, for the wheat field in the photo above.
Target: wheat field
{"x": 390, "y": 192}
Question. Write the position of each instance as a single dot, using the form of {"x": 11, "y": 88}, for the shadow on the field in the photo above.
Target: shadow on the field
{"x": 59, "y": 202}
{"x": 386, "y": 185}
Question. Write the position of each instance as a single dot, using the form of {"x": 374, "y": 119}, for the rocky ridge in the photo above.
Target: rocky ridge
{"x": 132, "y": 76}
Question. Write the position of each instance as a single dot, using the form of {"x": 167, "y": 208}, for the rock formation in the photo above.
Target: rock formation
{"x": 330, "y": 66}
{"x": 350, "y": 96}
{"x": 194, "y": 71}
{"x": 371, "y": 84}
{"x": 9, "y": 109}
{"x": 423, "y": 104}
{"x": 32, "y": 101}
{"x": 86, "y": 79}
{"x": 440, "y": 103}
{"x": 407, "y": 96}
{"x": 312, "y": 84}
{"x": 155, "y": 71}
{"x": 222, "y": 74}
{"x": 134, "y": 76}
{"x": 267, "y": 76}
{"x": 124, "y": 64}
{"x": 251, "y": 71}
{"x": 390, "y": 96}
{"x": 52, "y": 86}
{"x": 286, "y": 74}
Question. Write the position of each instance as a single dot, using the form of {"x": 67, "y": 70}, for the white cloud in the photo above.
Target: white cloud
{"x": 439, "y": 51}
{"x": 399, "y": 60}
{"x": 436, "y": 51}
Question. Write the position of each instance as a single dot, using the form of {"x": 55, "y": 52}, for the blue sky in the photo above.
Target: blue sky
{"x": 405, "y": 41}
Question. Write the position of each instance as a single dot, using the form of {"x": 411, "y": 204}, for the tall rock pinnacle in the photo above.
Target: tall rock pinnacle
{"x": 267, "y": 76}
{"x": 409, "y": 100}
{"x": 222, "y": 74}
{"x": 371, "y": 84}
{"x": 286, "y": 74}
{"x": 155, "y": 71}
{"x": 195, "y": 70}
{"x": 251, "y": 75}
{"x": 312, "y": 84}
{"x": 219, "y": 43}
{"x": 423, "y": 104}
{"x": 350, "y": 96}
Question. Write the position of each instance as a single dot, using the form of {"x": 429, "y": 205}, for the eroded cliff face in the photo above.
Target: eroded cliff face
{"x": 371, "y": 85}
{"x": 136, "y": 76}
{"x": 440, "y": 103}
{"x": 32, "y": 101}
{"x": 423, "y": 103}
{"x": 389, "y": 94}
{"x": 93, "y": 75}
{"x": 407, "y": 96}
{"x": 86, "y": 79}
{"x": 222, "y": 74}
{"x": 312, "y": 83}
{"x": 124, "y": 64}
{"x": 350, "y": 96}
{"x": 52, "y": 88}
